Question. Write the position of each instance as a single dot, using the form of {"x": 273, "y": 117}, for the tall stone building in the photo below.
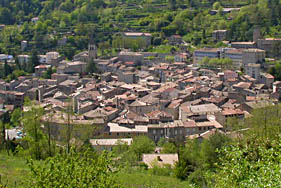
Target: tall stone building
{"x": 256, "y": 34}
{"x": 253, "y": 70}
{"x": 92, "y": 52}
{"x": 254, "y": 56}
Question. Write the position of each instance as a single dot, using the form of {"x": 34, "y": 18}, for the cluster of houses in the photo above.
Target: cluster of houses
{"x": 133, "y": 94}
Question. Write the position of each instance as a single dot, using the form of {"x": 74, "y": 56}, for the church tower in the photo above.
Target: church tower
{"x": 92, "y": 51}
{"x": 92, "y": 48}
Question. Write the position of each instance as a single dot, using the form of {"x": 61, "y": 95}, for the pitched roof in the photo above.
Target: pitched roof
{"x": 138, "y": 103}
{"x": 110, "y": 142}
{"x": 204, "y": 108}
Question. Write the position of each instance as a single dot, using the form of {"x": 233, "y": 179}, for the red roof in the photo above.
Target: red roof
{"x": 41, "y": 67}
{"x": 129, "y": 63}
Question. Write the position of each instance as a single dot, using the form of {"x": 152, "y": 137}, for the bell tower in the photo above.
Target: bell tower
{"x": 92, "y": 49}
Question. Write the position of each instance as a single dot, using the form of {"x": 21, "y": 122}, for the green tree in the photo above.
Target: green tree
{"x": 216, "y": 5}
{"x": 255, "y": 163}
{"x": 7, "y": 69}
{"x": 91, "y": 67}
{"x": 276, "y": 71}
{"x": 197, "y": 157}
{"x": 48, "y": 73}
{"x": 2, "y": 135}
{"x": 74, "y": 170}
{"x": 48, "y": 128}
{"x": 141, "y": 145}
{"x": 16, "y": 117}
{"x": 121, "y": 147}
{"x": 34, "y": 58}
{"x": 69, "y": 124}
{"x": 170, "y": 59}
{"x": 204, "y": 62}
{"x": 35, "y": 137}
{"x": 18, "y": 66}
{"x": 169, "y": 148}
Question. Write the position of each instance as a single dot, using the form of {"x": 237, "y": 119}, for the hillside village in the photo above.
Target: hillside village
{"x": 145, "y": 93}
{"x": 153, "y": 93}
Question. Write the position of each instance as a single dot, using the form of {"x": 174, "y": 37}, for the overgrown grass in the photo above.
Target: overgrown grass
{"x": 147, "y": 180}
{"x": 13, "y": 170}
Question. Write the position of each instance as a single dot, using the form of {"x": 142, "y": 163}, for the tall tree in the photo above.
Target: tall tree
{"x": 141, "y": 145}
{"x": 32, "y": 127}
{"x": 91, "y": 67}
{"x": 7, "y": 69}
{"x": 16, "y": 117}
{"x": 34, "y": 58}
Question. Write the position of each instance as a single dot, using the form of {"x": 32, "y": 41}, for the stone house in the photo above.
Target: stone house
{"x": 175, "y": 40}
{"x": 272, "y": 46}
{"x": 222, "y": 116}
{"x": 219, "y": 35}
{"x": 127, "y": 77}
{"x": 40, "y": 69}
{"x": 68, "y": 86}
{"x": 140, "y": 107}
{"x": 173, "y": 108}
{"x": 115, "y": 131}
{"x": 228, "y": 74}
{"x": 250, "y": 106}
{"x": 72, "y": 67}
{"x": 170, "y": 93}
{"x": 267, "y": 79}
{"x": 59, "y": 77}
{"x": 146, "y": 37}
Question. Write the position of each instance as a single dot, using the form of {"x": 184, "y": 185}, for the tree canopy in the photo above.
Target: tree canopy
{"x": 76, "y": 169}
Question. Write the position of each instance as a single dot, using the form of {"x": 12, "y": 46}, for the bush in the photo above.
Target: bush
{"x": 165, "y": 170}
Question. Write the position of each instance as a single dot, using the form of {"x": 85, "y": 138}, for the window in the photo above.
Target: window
{"x": 154, "y": 131}
{"x": 180, "y": 131}
{"x": 162, "y": 131}
{"x": 199, "y": 128}
{"x": 176, "y": 132}
{"x": 109, "y": 133}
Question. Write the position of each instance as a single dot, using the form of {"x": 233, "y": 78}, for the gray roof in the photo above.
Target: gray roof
{"x": 204, "y": 108}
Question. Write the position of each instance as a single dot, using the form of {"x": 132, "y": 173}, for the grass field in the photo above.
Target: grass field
{"x": 13, "y": 170}
{"x": 146, "y": 180}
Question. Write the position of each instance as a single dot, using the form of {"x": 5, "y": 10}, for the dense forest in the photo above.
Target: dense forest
{"x": 77, "y": 20}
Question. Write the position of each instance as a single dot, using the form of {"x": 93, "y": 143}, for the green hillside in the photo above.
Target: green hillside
{"x": 78, "y": 19}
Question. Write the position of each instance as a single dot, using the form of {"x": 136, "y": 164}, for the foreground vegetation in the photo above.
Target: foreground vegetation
{"x": 13, "y": 169}
{"x": 249, "y": 158}
{"x": 147, "y": 180}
